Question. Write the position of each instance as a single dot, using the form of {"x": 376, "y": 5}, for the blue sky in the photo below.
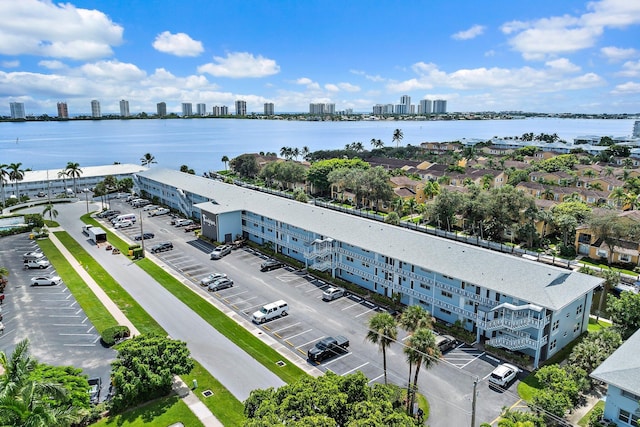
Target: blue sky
{"x": 541, "y": 56}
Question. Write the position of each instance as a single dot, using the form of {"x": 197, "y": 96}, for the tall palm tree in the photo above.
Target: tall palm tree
{"x": 412, "y": 319}
{"x": 421, "y": 350}
{"x": 49, "y": 209}
{"x": 4, "y": 178}
{"x": 618, "y": 195}
{"x": 225, "y": 160}
{"x": 382, "y": 331}
{"x": 148, "y": 159}
{"x": 73, "y": 170}
{"x": 397, "y": 137}
{"x": 63, "y": 174}
{"x": 304, "y": 152}
{"x": 377, "y": 143}
{"x": 16, "y": 174}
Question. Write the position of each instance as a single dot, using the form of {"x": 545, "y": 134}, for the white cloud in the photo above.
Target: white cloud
{"x": 471, "y": 33}
{"x": 618, "y": 54}
{"x": 179, "y": 44}
{"x": 10, "y": 64}
{"x": 348, "y": 87}
{"x": 563, "y": 65}
{"x": 43, "y": 28}
{"x": 239, "y": 65}
{"x": 331, "y": 87}
{"x": 369, "y": 77}
{"x": 113, "y": 70}
{"x": 52, "y": 64}
{"x": 626, "y": 88}
{"x": 541, "y": 38}
{"x": 304, "y": 81}
{"x": 490, "y": 53}
{"x": 630, "y": 69}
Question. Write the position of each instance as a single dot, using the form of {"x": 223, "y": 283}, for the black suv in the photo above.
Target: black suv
{"x": 271, "y": 264}
{"x": 161, "y": 247}
{"x": 145, "y": 235}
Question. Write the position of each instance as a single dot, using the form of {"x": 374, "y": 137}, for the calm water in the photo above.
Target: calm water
{"x": 201, "y": 143}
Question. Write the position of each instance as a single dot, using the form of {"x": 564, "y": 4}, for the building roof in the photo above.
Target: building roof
{"x": 534, "y": 282}
{"x": 87, "y": 172}
{"x": 622, "y": 368}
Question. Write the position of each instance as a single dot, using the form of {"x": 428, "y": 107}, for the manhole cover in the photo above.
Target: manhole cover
{"x": 280, "y": 363}
{"x": 207, "y": 393}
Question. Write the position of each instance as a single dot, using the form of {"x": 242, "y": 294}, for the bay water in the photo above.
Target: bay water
{"x": 201, "y": 143}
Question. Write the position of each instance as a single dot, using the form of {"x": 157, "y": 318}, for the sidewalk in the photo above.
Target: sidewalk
{"x": 179, "y": 387}
{"x": 591, "y": 400}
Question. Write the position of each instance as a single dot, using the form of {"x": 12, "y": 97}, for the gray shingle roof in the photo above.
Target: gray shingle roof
{"x": 530, "y": 281}
{"x": 622, "y": 368}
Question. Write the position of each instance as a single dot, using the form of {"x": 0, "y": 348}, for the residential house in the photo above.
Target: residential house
{"x": 621, "y": 373}
{"x": 625, "y": 251}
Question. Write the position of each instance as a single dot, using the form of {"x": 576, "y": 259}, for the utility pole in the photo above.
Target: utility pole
{"x": 141, "y": 235}
{"x": 473, "y": 403}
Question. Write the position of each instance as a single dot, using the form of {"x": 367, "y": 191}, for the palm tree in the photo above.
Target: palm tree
{"x": 382, "y": 331}
{"x": 24, "y": 401}
{"x": 618, "y": 195}
{"x": 73, "y": 170}
{"x": 412, "y": 319}
{"x": 397, "y": 136}
{"x": 377, "y": 143}
{"x": 16, "y": 174}
{"x": 225, "y": 160}
{"x": 421, "y": 350}
{"x": 4, "y": 178}
{"x": 148, "y": 159}
{"x": 63, "y": 174}
{"x": 49, "y": 209}
{"x": 304, "y": 152}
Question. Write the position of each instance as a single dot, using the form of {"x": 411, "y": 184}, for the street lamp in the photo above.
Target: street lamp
{"x": 141, "y": 234}
{"x": 86, "y": 197}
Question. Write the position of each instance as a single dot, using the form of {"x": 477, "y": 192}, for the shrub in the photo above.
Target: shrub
{"x": 115, "y": 333}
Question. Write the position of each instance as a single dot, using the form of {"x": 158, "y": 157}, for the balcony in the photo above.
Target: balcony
{"x": 516, "y": 343}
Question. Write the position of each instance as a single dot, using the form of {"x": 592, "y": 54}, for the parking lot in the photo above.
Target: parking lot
{"x": 448, "y": 384}
{"x": 57, "y": 328}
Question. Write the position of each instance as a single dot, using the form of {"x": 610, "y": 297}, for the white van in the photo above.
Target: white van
{"x": 269, "y": 311}
{"x": 124, "y": 217}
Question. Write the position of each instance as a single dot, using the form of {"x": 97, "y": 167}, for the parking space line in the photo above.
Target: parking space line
{"x": 376, "y": 378}
{"x": 239, "y": 293}
{"x": 63, "y": 315}
{"x": 69, "y": 324}
{"x": 286, "y": 327}
{"x": 297, "y": 335}
{"x": 77, "y": 335}
{"x": 368, "y": 311}
{"x": 309, "y": 342}
{"x": 356, "y": 368}
{"x": 477, "y": 357}
{"x": 349, "y": 306}
{"x": 79, "y": 345}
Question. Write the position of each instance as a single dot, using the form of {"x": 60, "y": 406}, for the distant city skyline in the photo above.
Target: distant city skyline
{"x": 574, "y": 56}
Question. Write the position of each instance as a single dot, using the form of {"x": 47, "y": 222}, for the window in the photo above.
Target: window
{"x": 553, "y": 345}
{"x": 579, "y": 310}
{"x": 425, "y": 286}
{"x": 624, "y": 258}
{"x": 350, "y": 259}
{"x": 445, "y": 311}
{"x": 446, "y": 294}
{"x": 576, "y": 328}
{"x": 365, "y": 265}
{"x": 628, "y": 417}
{"x": 631, "y": 396}
{"x": 555, "y": 326}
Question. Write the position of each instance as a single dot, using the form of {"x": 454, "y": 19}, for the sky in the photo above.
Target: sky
{"x": 549, "y": 56}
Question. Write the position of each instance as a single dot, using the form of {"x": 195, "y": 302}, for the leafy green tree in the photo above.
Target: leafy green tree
{"x": 397, "y": 137}
{"x": 187, "y": 169}
{"x": 392, "y": 218}
{"x": 421, "y": 350}
{"x": 73, "y": 171}
{"x": 148, "y": 159}
{"x": 443, "y": 210}
{"x": 319, "y": 172}
{"x": 624, "y": 312}
{"x": 49, "y": 209}
{"x": 70, "y": 378}
{"x": 144, "y": 369}
{"x": 589, "y": 353}
{"x": 245, "y": 165}
{"x": 555, "y": 403}
{"x": 570, "y": 382}
{"x": 16, "y": 175}
{"x": 329, "y": 400}
{"x": 383, "y": 331}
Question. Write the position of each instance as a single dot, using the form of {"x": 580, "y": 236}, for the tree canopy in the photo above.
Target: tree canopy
{"x": 327, "y": 401}
{"x": 319, "y": 171}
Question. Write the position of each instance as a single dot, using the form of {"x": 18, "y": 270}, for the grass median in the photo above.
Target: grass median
{"x": 222, "y": 404}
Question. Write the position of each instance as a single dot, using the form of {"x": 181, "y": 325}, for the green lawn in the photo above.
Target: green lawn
{"x": 603, "y": 264}
{"x": 161, "y": 412}
{"x": 584, "y": 421}
{"x": 596, "y": 326}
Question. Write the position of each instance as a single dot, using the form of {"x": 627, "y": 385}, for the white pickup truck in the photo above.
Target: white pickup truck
{"x": 36, "y": 263}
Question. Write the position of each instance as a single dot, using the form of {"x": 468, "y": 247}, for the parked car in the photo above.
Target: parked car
{"x": 107, "y": 213}
{"x": 161, "y": 247}
{"x": 145, "y": 235}
{"x": 332, "y": 293}
{"x": 220, "y": 284}
{"x": 45, "y": 280}
{"x": 183, "y": 222}
{"x": 271, "y": 264}
{"x": 123, "y": 224}
{"x": 192, "y": 227}
{"x": 150, "y": 208}
{"x": 504, "y": 375}
{"x": 95, "y": 384}
{"x": 159, "y": 211}
{"x": 220, "y": 251}
{"x": 446, "y": 342}
{"x": 212, "y": 278}
{"x": 36, "y": 263}
{"x": 33, "y": 255}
